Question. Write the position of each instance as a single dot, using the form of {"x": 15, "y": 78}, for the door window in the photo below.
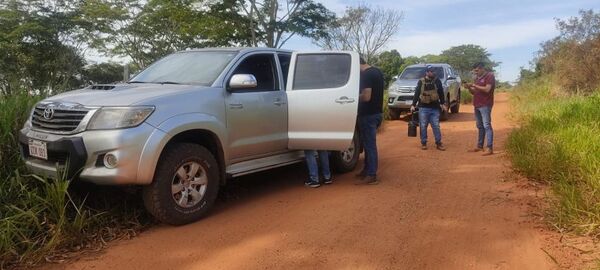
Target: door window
{"x": 262, "y": 66}
{"x": 284, "y": 61}
{"x": 321, "y": 71}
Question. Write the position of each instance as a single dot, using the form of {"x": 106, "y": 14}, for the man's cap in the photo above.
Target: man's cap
{"x": 429, "y": 68}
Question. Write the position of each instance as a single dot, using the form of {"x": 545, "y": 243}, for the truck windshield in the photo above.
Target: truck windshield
{"x": 415, "y": 73}
{"x": 201, "y": 68}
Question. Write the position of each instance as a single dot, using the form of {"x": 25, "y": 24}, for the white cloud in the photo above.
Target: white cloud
{"x": 488, "y": 36}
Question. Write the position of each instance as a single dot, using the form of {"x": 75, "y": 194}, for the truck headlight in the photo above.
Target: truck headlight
{"x": 119, "y": 117}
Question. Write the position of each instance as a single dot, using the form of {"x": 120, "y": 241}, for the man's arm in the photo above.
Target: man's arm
{"x": 416, "y": 96}
{"x": 365, "y": 95}
{"x": 440, "y": 90}
{"x": 485, "y": 89}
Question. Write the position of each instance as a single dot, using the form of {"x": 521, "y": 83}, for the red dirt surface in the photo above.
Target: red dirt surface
{"x": 431, "y": 210}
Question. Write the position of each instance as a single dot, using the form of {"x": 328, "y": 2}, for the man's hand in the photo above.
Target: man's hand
{"x": 444, "y": 108}
{"x": 412, "y": 108}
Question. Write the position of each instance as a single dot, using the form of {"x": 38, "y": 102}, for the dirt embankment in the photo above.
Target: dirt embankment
{"x": 431, "y": 210}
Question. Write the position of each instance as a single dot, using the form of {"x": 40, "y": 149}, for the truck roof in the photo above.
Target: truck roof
{"x": 239, "y": 49}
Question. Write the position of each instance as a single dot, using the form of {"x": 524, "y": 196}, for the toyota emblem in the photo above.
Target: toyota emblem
{"x": 48, "y": 113}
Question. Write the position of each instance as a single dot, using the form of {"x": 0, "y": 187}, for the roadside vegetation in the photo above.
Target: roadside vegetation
{"x": 557, "y": 104}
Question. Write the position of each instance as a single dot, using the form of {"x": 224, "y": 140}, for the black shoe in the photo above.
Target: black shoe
{"x": 361, "y": 174}
{"x": 327, "y": 181}
{"x": 312, "y": 184}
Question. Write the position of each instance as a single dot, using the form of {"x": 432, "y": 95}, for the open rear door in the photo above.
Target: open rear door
{"x": 322, "y": 92}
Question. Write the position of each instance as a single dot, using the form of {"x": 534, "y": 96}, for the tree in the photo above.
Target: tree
{"x": 39, "y": 46}
{"x": 462, "y": 58}
{"x": 274, "y": 22}
{"x": 148, "y": 30}
{"x": 389, "y": 62}
{"x": 363, "y": 29}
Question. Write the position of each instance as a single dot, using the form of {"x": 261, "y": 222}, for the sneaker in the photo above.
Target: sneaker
{"x": 312, "y": 184}
{"x": 372, "y": 180}
{"x": 488, "y": 152}
{"x": 423, "y": 147}
{"x": 477, "y": 149}
{"x": 361, "y": 174}
{"x": 368, "y": 180}
{"x": 440, "y": 147}
{"x": 327, "y": 181}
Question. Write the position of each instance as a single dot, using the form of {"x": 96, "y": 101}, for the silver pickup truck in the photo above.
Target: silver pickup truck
{"x": 196, "y": 118}
{"x": 402, "y": 90}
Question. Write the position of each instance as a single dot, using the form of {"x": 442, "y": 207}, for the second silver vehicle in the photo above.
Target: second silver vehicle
{"x": 402, "y": 90}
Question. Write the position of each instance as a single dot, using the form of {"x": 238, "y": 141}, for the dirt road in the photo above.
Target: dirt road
{"x": 432, "y": 210}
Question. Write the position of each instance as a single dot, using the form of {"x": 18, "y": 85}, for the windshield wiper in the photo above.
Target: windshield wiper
{"x": 167, "y": 82}
{"x": 136, "y": 82}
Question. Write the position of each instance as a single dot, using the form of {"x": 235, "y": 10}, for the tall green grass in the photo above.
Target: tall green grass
{"x": 559, "y": 142}
{"x": 41, "y": 217}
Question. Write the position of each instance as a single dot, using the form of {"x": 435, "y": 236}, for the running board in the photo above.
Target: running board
{"x": 261, "y": 164}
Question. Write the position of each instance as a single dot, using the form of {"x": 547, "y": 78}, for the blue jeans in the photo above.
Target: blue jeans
{"x": 368, "y": 125}
{"x": 427, "y": 116}
{"x": 311, "y": 162}
{"x": 483, "y": 118}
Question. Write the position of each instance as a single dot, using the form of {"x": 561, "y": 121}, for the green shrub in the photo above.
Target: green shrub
{"x": 466, "y": 97}
{"x": 38, "y": 216}
{"x": 559, "y": 143}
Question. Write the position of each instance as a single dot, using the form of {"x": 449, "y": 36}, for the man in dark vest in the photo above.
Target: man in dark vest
{"x": 429, "y": 97}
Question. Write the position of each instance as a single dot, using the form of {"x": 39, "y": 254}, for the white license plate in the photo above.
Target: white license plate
{"x": 38, "y": 149}
{"x": 408, "y": 102}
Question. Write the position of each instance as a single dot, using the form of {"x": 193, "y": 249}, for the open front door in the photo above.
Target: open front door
{"x": 322, "y": 92}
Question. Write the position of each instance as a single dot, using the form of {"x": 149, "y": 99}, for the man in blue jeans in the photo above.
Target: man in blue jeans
{"x": 429, "y": 96}
{"x": 369, "y": 118}
{"x": 483, "y": 101}
{"x": 313, "y": 168}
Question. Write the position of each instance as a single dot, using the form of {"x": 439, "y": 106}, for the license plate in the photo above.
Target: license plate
{"x": 408, "y": 102}
{"x": 38, "y": 149}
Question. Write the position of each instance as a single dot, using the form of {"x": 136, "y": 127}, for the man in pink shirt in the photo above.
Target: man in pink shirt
{"x": 483, "y": 101}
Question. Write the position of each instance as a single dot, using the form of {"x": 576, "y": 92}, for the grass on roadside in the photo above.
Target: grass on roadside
{"x": 559, "y": 143}
{"x": 40, "y": 218}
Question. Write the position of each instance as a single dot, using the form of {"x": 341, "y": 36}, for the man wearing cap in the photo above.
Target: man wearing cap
{"x": 429, "y": 97}
{"x": 483, "y": 100}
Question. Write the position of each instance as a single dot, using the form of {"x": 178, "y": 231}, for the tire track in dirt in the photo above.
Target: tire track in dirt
{"x": 432, "y": 210}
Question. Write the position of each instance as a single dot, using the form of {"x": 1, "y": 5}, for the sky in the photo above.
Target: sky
{"x": 511, "y": 30}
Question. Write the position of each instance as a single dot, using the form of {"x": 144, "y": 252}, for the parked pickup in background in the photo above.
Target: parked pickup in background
{"x": 402, "y": 90}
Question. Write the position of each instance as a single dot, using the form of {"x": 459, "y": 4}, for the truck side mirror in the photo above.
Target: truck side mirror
{"x": 242, "y": 81}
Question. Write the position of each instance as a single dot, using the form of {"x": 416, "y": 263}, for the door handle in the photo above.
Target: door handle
{"x": 344, "y": 99}
{"x": 236, "y": 105}
{"x": 278, "y": 102}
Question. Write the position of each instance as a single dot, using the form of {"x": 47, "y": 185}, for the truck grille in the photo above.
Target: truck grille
{"x": 60, "y": 119}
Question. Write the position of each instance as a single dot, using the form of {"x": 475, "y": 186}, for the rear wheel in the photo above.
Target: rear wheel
{"x": 345, "y": 161}
{"x": 456, "y": 107}
{"x": 185, "y": 184}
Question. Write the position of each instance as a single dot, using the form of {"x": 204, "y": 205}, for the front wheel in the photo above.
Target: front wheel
{"x": 444, "y": 115}
{"x": 394, "y": 113}
{"x": 345, "y": 161}
{"x": 185, "y": 184}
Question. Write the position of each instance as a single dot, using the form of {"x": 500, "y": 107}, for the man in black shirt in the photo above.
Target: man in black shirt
{"x": 369, "y": 118}
{"x": 429, "y": 95}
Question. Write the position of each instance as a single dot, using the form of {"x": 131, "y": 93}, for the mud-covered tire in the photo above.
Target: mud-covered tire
{"x": 394, "y": 114}
{"x": 345, "y": 161}
{"x": 185, "y": 184}
{"x": 456, "y": 107}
